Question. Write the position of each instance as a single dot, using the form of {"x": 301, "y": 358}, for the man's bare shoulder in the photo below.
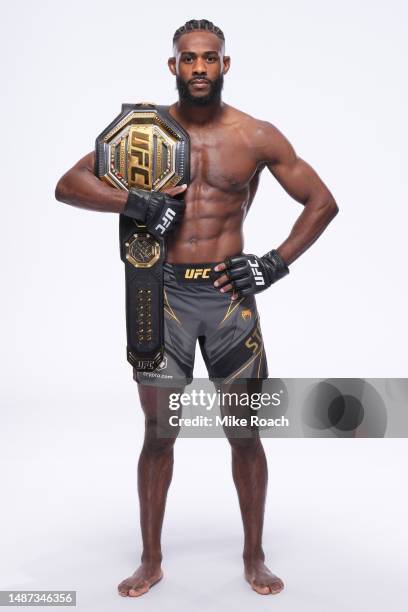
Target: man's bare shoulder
{"x": 257, "y": 125}
{"x": 262, "y": 136}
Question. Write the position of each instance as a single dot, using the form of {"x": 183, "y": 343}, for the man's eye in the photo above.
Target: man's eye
{"x": 212, "y": 58}
{"x": 188, "y": 59}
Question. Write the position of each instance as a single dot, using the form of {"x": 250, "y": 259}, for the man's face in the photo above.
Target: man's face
{"x": 199, "y": 65}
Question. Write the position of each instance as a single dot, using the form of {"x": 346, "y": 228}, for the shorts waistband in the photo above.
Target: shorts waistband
{"x": 193, "y": 273}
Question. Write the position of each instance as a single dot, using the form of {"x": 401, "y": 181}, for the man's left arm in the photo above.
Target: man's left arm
{"x": 304, "y": 185}
{"x": 251, "y": 274}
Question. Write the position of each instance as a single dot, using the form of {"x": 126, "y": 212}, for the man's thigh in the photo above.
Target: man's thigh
{"x": 157, "y": 406}
{"x": 232, "y": 346}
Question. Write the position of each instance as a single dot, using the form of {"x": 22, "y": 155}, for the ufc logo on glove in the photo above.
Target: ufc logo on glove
{"x": 259, "y": 279}
{"x": 167, "y": 218}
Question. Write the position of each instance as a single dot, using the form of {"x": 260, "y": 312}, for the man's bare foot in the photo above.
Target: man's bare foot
{"x": 140, "y": 582}
{"x": 261, "y": 578}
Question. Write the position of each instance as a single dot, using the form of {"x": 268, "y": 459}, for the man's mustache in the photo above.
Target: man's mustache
{"x": 199, "y": 79}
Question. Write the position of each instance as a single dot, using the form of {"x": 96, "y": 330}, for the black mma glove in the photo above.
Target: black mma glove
{"x": 249, "y": 274}
{"x": 158, "y": 211}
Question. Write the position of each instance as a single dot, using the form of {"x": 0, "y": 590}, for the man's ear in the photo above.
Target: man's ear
{"x": 227, "y": 63}
{"x": 171, "y": 62}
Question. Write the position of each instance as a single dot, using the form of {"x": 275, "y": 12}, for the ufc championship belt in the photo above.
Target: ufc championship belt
{"x": 143, "y": 147}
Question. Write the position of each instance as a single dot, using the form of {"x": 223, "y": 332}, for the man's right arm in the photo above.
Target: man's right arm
{"x": 80, "y": 187}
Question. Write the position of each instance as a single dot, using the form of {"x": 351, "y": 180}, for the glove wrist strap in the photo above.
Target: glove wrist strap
{"x": 279, "y": 265}
{"x": 137, "y": 204}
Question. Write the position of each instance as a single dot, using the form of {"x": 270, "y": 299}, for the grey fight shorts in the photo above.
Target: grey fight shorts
{"x": 228, "y": 331}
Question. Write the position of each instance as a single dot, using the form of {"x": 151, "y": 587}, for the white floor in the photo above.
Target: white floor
{"x": 335, "y": 529}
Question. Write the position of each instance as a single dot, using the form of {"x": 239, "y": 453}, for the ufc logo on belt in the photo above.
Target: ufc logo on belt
{"x": 166, "y": 219}
{"x": 145, "y": 363}
{"x": 259, "y": 279}
{"x": 197, "y": 273}
{"x": 139, "y": 159}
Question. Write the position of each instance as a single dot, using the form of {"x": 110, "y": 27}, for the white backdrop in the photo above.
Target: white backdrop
{"x": 332, "y": 77}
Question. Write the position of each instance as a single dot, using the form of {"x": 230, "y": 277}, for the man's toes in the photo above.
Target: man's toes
{"x": 138, "y": 590}
{"x": 277, "y": 587}
{"x": 123, "y": 589}
{"x": 262, "y": 590}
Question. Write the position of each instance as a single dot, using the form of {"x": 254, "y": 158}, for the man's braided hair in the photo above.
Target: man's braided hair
{"x": 198, "y": 24}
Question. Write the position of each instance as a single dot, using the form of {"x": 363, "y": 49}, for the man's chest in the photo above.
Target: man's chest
{"x": 221, "y": 159}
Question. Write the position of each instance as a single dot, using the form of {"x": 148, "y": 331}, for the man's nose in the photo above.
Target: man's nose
{"x": 199, "y": 67}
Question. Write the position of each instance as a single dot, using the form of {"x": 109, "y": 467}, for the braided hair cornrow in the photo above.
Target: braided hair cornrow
{"x": 198, "y": 24}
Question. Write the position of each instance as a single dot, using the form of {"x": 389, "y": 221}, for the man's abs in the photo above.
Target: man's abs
{"x": 224, "y": 179}
{"x": 211, "y": 229}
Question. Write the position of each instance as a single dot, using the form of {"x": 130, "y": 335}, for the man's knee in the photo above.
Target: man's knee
{"x": 158, "y": 438}
{"x": 247, "y": 444}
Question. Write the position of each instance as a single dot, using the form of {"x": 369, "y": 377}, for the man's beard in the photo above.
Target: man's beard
{"x": 214, "y": 94}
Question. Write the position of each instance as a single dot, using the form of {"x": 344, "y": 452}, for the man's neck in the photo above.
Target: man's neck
{"x": 198, "y": 115}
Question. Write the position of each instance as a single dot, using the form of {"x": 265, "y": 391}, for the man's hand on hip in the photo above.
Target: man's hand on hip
{"x": 248, "y": 274}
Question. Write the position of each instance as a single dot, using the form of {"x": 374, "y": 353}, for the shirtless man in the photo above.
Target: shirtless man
{"x": 229, "y": 150}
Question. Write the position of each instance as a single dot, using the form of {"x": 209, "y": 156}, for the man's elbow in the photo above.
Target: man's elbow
{"x": 332, "y": 207}
{"x": 61, "y": 192}
{"x": 324, "y": 205}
